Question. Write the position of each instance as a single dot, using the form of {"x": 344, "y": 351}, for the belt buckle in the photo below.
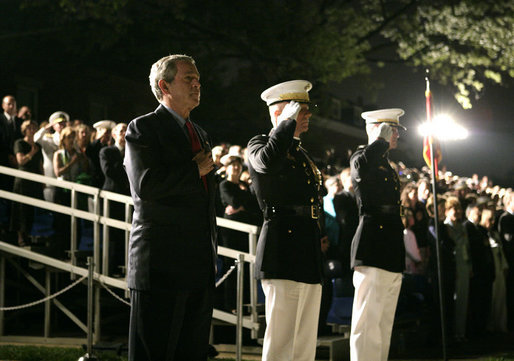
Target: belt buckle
{"x": 314, "y": 212}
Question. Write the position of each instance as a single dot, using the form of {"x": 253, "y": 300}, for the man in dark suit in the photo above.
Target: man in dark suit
{"x": 506, "y": 229}
{"x": 347, "y": 215}
{"x": 111, "y": 162}
{"x": 482, "y": 278}
{"x": 9, "y": 132}
{"x": 378, "y": 253}
{"x": 172, "y": 249}
{"x": 288, "y": 259}
{"x": 115, "y": 180}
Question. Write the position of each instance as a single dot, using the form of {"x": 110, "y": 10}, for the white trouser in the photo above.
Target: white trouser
{"x": 374, "y": 306}
{"x": 292, "y": 312}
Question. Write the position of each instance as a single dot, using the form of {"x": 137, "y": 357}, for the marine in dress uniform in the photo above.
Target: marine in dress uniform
{"x": 378, "y": 253}
{"x": 288, "y": 261}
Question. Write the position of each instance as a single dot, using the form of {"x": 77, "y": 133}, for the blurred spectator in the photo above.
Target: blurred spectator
{"x": 409, "y": 199}
{"x": 68, "y": 163}
{"x": 9, "y": 121}
{"x": 102, "y": 139}
{"x": 347, "y": 215}
{"x": 506, "y": 229}
{"x": 480, "y": 286}
{"x": 448, "y": 266}
{"x": 412, "y": 254}
{"x": 111, "y": 162}
{"x": 498, "y": 315}
{"x": 116, "y": 180}
{"x": 29, "y": 158}
{"x": 240, "y": 205}
{"x": 457, "y": 232}
{"x": 49, "y": 143}
{"x": 24, "y": 113}
{"x": 333, "y": 186}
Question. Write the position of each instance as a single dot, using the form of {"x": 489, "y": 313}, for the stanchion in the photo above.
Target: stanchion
{"x": 239, "y": 322}
{"x": 89, "y": 355}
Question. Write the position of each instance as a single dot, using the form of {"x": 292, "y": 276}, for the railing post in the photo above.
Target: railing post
{"x": 239, "y": 323}
{"x": 2, "y": 292}
{"x": 252, "y": 246}
{"x": 73, "y": 245}
{"x": 48, "y": 303}
{"x": 96, "y": 233}
{"x": 105, "y": 243}
{"x": 90, "y": 290}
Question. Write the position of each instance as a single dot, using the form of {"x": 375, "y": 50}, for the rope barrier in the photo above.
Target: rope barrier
{"x": 27, "y": 305}
{"x": 114, "y": 294}
{"x": 224, "y": 277}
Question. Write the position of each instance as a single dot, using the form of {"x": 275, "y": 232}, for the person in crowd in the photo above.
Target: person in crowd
{"x": 10, "y": 123}
{"x": 497, "y": 322}
{"x": 481, "y": 281}
{"x": 506, "y": 229}
{"x": 25, "y": 113}
{"x": 49, "y": 143}
{"x": 347, "y": 215}
{"x": 68, "y": 163}
{"x": 448, "y": 268}
{"x": 102, "y": 139}
{"x": 115, "y": 180}
{"x": 29, "y": 159}
{"x": 409, "y": 199}
{"x": 217, "y": 153}
{"x": 423, "y": 189}
{"x": 412, "y": 253}
{"x": 457, "y": 232}
{"x": 378, "y": 253}
{"x": 240, "y": 205}
{"x": 288, "y": 260}
{"x": 172, "y": 250}
{"x": 332, "y": 229}
{"x": 111, "y": 162}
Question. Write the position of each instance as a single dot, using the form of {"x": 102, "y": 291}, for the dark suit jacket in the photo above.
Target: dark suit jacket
{"x": 347, "y": 215}
{"x": 173, "y": 236}
{"x": 378, "y": 241}
{"x": 8, "y": 136}
{"x": 111, "y": 162}
{"x": 289, "y": 245}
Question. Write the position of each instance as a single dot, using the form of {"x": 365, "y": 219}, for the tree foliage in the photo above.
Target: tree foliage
{"x": 465, "y": 43}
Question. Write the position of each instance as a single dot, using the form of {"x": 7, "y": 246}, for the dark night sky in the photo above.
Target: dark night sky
{"x": 489, "y": 148}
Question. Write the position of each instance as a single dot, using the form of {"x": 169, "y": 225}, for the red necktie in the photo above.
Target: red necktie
{"x": 195, "y": 145}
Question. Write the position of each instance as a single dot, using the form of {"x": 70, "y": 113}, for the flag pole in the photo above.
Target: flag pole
{"x": 428, "y": 96}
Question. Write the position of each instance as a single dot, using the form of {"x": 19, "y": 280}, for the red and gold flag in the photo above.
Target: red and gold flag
{"x": 429, "y": 139}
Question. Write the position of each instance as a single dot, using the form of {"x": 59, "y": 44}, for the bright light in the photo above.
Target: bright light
{"x": 443, "y": 127}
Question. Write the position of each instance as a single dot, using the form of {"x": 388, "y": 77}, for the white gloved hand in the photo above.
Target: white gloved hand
{"x": 384, "y": 131}
{"x": 290, "y": 111}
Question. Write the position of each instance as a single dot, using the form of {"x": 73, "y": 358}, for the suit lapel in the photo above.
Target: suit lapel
{"x": 170, "y": 127}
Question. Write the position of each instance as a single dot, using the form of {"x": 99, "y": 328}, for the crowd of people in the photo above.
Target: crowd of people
{"x": 63, "y": 149}
{"x": 475, "y": 217}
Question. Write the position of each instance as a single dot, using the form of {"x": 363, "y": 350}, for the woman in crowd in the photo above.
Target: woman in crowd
{"x": 457, "y": 232}
{"x": 240, "y": 205}
{"x": 498, "y": 315}
{"x": 30, "y": 159}
{"x": 68, "y": 163}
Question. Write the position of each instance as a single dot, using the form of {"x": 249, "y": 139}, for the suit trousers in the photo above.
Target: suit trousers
{"x": 374, "y": 306}
{"x": 292, "y": 312}
{"x": 170, "y": 325}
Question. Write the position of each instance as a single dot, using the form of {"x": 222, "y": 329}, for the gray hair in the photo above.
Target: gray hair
{"x": 165, "y": 68}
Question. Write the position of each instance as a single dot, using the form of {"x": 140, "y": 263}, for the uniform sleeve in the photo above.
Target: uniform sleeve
{"x": 266, "y": 154}
{"x": 152, "y": 174}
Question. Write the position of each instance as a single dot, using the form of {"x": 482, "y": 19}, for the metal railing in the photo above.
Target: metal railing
{"x": 101, "y": 220}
